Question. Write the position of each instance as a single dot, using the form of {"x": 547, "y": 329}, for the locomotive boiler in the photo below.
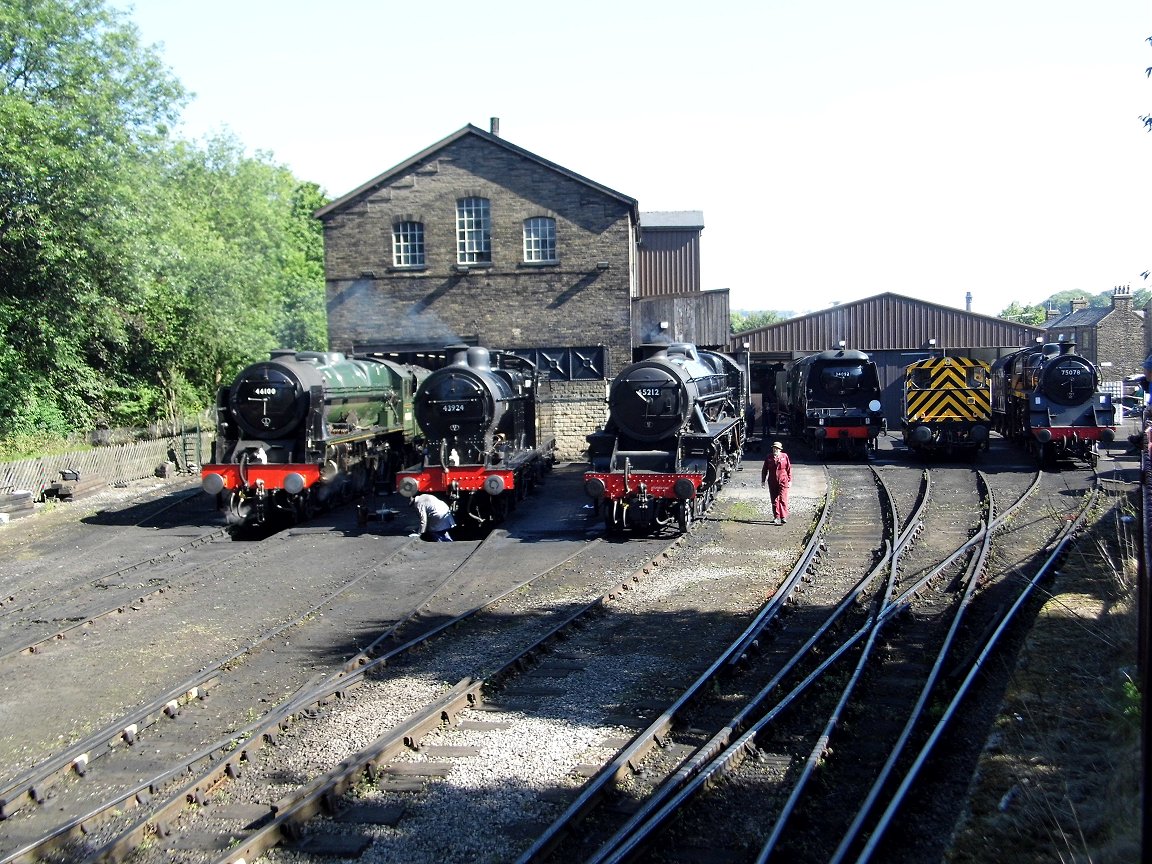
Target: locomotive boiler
{"x": 947, "y": 405}
{"x": 674, "y": 435}
{"x": 483, "y": 451}
{"x": 1048, "y": 397}
{"x": 302, "y": 430}
{"x": 831, "y": 400}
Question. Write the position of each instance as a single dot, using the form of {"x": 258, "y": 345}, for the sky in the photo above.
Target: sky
{"x": 836, "y": 149}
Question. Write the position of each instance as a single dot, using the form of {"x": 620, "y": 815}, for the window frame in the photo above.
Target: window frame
{"x": 539, "y": 240}
{"x": 407, "y": 246}
{"x": 473, "y": 230}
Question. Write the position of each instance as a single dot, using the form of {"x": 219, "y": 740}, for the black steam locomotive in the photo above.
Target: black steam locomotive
{"x": 482, "y": 450}
{"x": 832, "y": 401}
{"x": 1048, "y": 397}
{"x": 675, "y": 433}
{"x": 301, "y": 430}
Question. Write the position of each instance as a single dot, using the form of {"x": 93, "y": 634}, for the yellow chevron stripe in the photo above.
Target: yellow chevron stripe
{"x": 937, "y": 389}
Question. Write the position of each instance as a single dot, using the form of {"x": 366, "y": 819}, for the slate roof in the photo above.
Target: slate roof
{"x": 382, "y": 180}
{"x": 1087, "y": 317}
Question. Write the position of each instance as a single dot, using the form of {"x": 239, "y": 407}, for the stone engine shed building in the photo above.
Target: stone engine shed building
{"x": 477, "y": 241}
{"x": 893, "y": 329}
{"x": 480, "y": 242}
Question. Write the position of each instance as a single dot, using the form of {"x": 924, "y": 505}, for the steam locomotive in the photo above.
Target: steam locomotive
{"x": 832, "y": 401}
{"x": 674, "y": 435}
{"x": 302, "y": 430}
{"x": 1049, "y": 397}
{"x": 482, "y": 451}
{"x": 947, "y": 405}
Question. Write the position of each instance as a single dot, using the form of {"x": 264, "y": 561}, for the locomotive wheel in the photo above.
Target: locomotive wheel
{"x": 499, "y": 508}
{"x": 610, "y": 524}
{"x": 684, "y": 515}
{"x": 305, "y": 508}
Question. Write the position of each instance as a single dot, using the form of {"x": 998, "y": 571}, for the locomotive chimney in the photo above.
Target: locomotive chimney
{"x": 479, "y": 358}
{"x": 457, "y": 355}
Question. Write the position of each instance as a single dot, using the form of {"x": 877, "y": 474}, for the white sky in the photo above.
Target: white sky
{"x": 837, "y": 149}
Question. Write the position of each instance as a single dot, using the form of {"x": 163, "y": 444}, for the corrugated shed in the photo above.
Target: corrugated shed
{"x": 887, "y": 322}
{"x": 668, "y": 262}
{"x": 701, "y": 318}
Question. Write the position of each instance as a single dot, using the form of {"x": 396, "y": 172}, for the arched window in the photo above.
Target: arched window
{"x": 408, "y": 244}
{"x": 540, "y": 239}
{"x": 473, "y": 231}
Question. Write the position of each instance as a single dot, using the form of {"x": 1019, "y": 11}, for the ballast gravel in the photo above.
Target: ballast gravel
{"x": 517, "y": 760}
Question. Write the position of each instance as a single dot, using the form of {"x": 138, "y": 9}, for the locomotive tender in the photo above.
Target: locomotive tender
{"x": 831, "y": 400}
{"x": 674, "y": 435}
{"x": 947, "y": 405}
{"x": 482, "y": 451}
{"x": 301, "y": 430}
{"x": 1049, "y": 397}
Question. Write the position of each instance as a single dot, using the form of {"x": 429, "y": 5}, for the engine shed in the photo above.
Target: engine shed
{"x": 892, "y": 329}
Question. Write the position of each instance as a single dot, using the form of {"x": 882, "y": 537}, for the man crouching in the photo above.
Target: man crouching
{"x": 435, "y": 518}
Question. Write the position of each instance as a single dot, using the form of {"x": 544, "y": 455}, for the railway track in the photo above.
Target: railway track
{"x": 551, "y": 697}
{"x": 751, "y": 776}
{"x": 374, "y": 688}
{"x": 169, "y": 735}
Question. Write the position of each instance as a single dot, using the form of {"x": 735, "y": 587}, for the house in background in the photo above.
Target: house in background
{"x": 1113, "y": 336}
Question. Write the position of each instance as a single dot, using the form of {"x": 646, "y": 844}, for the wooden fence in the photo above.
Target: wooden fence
{"x": 113, "y": 464}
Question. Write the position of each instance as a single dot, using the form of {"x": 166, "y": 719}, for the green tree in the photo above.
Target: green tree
{"x": 81, "y": 103}
{"x": 742, "y": 320}
{"x": 235, "y": 269}
{"x": 1032, "y": 315}
{"x": 136, "y": 272}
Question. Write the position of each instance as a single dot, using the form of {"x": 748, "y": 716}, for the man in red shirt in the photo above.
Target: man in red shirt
{"x": 777, "y": 471}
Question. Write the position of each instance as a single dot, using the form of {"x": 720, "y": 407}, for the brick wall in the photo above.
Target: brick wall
{"x": 585, "y": 299}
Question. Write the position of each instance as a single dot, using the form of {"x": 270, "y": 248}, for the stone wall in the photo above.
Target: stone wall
{"x": 1119, "y": 340}
{"x": 569, "y": 411}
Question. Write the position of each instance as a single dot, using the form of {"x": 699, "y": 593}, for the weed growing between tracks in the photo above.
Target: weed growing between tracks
{"x": 1059, "y": 779}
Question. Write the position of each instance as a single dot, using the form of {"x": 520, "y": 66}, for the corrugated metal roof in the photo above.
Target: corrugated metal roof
{"x": 672, "y": 219}
{"x": 887, "y": 322}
